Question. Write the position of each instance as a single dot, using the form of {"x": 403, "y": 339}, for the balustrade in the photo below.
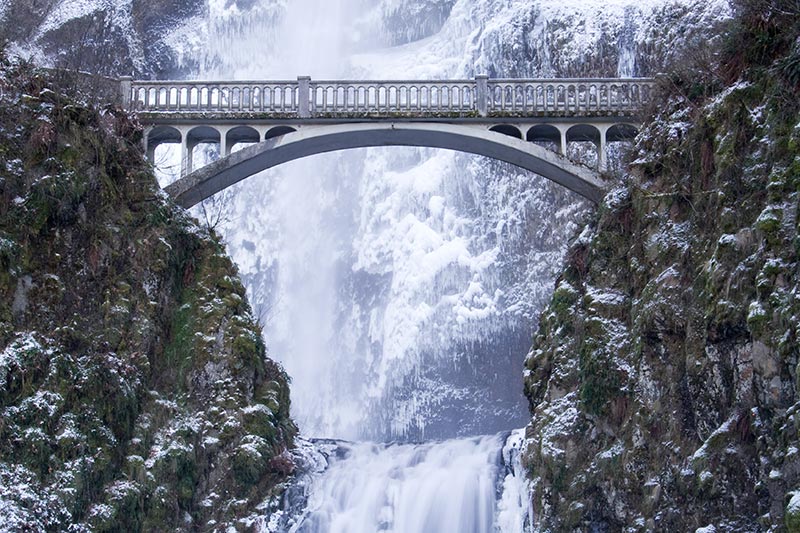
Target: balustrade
{"x": 304, "y": 98}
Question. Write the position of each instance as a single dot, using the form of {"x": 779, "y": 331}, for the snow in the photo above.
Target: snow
{"x": 605, "y": 296}
{"x": 376, "y": 266}
{"x": 562, "y": 418}
{"x": 67, "y": 10}
{"x": 756, "y": 311}
{"x": 514, "y": 508}
{"x": 793, "y": 507}
{"x": 723, "y": 429}
{"x": 706, "y": 529}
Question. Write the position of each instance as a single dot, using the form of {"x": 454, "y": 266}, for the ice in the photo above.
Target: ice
{"x": 67, "y": 10}
{"x": 373, "y": 269}
{"x": 442, "y": 486}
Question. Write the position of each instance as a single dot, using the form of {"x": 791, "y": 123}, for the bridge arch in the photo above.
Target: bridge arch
{"x": 161, "y": 135}
{"x": 239, "y": 134}
{"x": 277, "y": 131}
{"x": 584, "y": 133}
{"x": 621, "y": 132}
{"x": 213, "y": 178}
{"x": 506, "y": 129}
{"x": 547, "y": 134}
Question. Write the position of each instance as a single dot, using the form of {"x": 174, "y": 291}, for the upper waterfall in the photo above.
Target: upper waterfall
{"x": 400, "y": 286}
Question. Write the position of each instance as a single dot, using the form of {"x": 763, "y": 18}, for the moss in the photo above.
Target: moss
{"x": 249, "y": 462}
{"x": 564, "y": 298}
{"x": 599, "y": 380}
{"x": 792, "y": 520}
{"x": 145, "y": 334}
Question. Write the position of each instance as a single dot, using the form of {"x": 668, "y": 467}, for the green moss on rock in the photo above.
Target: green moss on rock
{"x": 132, "y": 372}
{"x": 663, "y": 380}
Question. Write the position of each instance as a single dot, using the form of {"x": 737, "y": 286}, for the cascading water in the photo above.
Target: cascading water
{"x": 451, "y": 485}
{"x": 443, "y": 486}
{"x": 400, "y": 287}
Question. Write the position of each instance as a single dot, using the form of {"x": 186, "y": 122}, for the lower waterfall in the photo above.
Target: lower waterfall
{"x": 465, "y": 485}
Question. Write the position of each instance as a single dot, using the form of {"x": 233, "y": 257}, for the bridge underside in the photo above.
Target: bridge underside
{"x": 286, "y": 145}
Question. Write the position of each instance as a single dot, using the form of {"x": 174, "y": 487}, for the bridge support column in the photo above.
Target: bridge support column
{"x": 186, "y": 154}
{"x": 602, "y": 157}
{"x": 482, "y": 95}
{"x": 563, "y": 147}
{"x": 149, "y": 153}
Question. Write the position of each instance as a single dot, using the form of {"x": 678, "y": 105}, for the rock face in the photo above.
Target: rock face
{"x": 662, "y": 381}
{"x": 99, "y": 36}
{"x": 135, "y": 393}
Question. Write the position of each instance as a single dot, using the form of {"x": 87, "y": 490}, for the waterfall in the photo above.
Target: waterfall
{"x": 451, "y": 485}
{"x": 400, "y": 287}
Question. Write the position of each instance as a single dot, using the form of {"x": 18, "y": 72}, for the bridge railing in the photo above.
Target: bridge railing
{"x": 386, "y": 97}
{"x": 329, "y": 99}
{"x": 214, "y": 97}
{"x": 573, "y": 96}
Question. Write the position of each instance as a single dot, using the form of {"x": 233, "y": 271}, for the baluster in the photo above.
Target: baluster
{"x": 269, "y": 98}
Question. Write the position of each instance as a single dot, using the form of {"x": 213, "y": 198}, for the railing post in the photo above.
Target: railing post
{"x": 482, "y": 94}
{"x": 125, "y": 83}
{"x": 303, "y": 96}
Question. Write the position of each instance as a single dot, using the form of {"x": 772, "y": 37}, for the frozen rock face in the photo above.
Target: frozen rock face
{"x": 114, "y": 37}
{"x": 663, "y": 379}
{"x": 135, "y": 394}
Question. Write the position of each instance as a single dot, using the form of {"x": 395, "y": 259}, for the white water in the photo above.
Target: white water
{"x": 433, "y": 487}
{"x": 399, "y": 287}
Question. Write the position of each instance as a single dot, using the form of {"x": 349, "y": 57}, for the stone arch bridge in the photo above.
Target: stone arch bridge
{"x": 525, "y": 122}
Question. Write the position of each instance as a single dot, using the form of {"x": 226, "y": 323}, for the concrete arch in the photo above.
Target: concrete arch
{"x": 163, "y": 134}
{"x": 239, "y": 134}
{"x": 198, "y": 135}
{"x": 621, "y": 132}
{"x": 544, "y": 133}
{"x": 203, "y": 134}
{"x": 584, "y": 133}
{"x": 277, "y": 131}
{"x": 209, "y": 180}
{"x": 506, "y": 129}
